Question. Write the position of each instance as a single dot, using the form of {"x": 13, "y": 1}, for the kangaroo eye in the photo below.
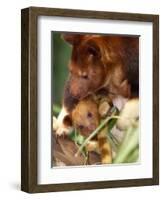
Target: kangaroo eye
{"x": 92, "y": 51}
{"x": 89, "y": 115}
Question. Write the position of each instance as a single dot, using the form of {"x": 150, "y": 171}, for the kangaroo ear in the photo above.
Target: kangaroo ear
{"x": 67, "y": 120}
{"x": 72, "y": 38}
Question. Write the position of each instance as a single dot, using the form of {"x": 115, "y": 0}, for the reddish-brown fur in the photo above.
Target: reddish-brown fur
{"x": 99, "y": 64}
{"x": 85, "y": 118}
{"x": 100, "y": 61}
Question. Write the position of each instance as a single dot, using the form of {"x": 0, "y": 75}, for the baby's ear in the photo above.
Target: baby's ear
{"x": 67, "y": 121}
{"x": 72, "y": 38}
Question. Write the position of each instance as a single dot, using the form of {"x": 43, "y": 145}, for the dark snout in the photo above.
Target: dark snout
{"x": 79, "y": 86}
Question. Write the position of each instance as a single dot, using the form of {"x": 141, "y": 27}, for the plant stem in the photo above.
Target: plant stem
{"x": 133, "y": 157}
{"x": 112, "y": 143}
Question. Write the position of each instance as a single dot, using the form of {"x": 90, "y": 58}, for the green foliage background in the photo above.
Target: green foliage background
{"x": 61, "y": 52}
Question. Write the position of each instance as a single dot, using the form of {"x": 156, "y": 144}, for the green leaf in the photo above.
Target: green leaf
{"x": 76, "y": 137}
{"x": 133, "y": 156}
{"x": 56, "y": 109}
{"x": 112, "y": 122}
{"x": 129, "y": 143}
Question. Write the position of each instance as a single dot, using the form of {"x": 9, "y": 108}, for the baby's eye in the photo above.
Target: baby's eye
{"x": 80, "y": 127}
{"x": 89, "y": 115}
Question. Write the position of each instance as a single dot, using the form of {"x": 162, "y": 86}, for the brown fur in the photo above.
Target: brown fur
{"x": 85, "y": 116}
{"x": 86, "y": 119}
{"x": 97, "y": 62}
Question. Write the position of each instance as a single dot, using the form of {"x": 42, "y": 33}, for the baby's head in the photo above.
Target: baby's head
{"x": 85, "y": 116}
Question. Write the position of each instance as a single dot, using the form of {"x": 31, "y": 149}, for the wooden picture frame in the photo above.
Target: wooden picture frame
{"x": 29, "y": 173}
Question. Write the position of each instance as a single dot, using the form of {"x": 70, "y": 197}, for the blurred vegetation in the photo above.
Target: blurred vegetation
{"x": 61, "y": 53}
{"x": 128, "y": 150}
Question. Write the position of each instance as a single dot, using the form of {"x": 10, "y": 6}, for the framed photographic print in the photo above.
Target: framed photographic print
{"x": 90, "y": 99}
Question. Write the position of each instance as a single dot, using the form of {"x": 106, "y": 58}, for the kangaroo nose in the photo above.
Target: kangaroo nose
{"x": 83, "y": 75}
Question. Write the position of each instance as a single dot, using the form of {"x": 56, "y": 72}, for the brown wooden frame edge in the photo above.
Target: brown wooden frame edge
{"x": 29, "y": 99}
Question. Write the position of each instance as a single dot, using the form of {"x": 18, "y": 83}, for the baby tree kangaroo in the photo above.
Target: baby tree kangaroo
{"x": 86, "y": 118}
